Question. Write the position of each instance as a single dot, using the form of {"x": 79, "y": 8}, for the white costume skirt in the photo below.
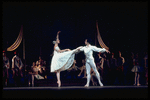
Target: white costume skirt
{"x": 62, "y": 61}
{"x": 137, "y": 68}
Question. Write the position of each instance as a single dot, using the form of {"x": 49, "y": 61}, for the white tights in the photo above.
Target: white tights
{"x": 88, "y": 65}
{"x": 58, "y": 78}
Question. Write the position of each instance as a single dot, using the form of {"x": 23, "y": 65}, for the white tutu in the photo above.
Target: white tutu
{"x": 62, "y": 61}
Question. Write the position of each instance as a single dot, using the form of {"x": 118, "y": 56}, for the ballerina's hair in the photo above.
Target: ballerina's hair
{"x": 54, "y": 42}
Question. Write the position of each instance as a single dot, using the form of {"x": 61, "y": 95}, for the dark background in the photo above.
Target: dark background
{"x": 123, "y": 26}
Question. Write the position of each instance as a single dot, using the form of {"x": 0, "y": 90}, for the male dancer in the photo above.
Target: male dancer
{"x": 17, "y": 67}
{"x": 6, "y": 67}
{"x": 88, "y": 51}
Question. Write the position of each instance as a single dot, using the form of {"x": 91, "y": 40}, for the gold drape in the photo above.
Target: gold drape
{"x": 100, "y": 39}
{"x": 17, "y": 42}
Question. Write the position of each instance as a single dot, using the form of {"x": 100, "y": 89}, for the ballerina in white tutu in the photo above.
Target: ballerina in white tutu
{"x": 62, "y": 59}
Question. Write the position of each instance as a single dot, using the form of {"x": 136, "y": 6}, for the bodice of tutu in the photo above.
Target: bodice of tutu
{"x": 56, "y": 49}
{"x": 136, "y": 61}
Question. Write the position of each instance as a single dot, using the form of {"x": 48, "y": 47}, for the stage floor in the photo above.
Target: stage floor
{"x": 76, "y": 92}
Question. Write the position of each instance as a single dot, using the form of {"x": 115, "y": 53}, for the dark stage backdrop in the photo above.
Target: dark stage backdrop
{"x": 123, "y": 26}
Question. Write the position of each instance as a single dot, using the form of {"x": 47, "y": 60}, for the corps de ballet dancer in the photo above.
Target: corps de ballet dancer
{"x": 88, "y": 51}
{"x": 62, "y": 59}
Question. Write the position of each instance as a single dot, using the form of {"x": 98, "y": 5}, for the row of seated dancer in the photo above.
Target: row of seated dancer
{"x": 37, "y": 70}
{"x": 17, "y": 71}
{"x": 109, "y": 70}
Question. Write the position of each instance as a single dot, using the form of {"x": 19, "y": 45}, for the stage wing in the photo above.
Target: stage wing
{"x": 17, "y": 42}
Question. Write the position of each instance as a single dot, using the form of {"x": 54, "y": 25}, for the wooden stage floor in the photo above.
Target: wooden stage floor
{"x": 65, "y": 92}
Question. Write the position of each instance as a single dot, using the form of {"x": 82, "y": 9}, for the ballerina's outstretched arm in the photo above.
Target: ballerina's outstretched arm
{"x": 57, "y": 37}
{"x": 58, "y": 50}
{"x": 64, "y": 50}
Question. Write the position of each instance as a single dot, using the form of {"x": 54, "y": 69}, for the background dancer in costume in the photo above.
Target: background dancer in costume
{"x": 106, "y": 69}
{"x": 98, "y": 61}
{"x": 17, "y": 67}
{"x": 146, "y": 67}
{"x": 113, "y": 66}
{"x": 136, "y": 69}
{"x": 73, "y": 70}
{"x": 83, "y": 69}
{"x": 88, "y": 51}
{"x": 36, "y": 69}
{"x": 42, "y": 63}
{"x": 120, "y": 72}
{"x": 62, "y": 59}
{"x": 6, "y": 67}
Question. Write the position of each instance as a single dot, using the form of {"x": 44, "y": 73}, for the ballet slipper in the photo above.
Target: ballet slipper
{"x": 59, "y": 83}
{"x": 138, "y": 84}
{"x": 86, "y": 85}
{"x": 101, "y": 84}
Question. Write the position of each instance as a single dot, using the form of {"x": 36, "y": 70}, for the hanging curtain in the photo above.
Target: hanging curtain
{"x": 100, "y": 39}
{"x": 17, "y": 42}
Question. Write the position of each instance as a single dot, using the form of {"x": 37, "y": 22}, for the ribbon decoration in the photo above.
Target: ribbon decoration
{"x": 17, "y": 42}
{"x": 100, "y": 39}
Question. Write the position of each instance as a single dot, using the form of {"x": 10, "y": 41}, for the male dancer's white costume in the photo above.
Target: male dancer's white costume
{"x": 88, "y": 51}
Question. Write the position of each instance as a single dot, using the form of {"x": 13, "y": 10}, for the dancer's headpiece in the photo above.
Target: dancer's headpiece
{"x": 54, "y": 42}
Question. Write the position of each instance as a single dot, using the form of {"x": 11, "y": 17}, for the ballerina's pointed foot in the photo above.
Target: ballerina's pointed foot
{"x": 59, "y": 83}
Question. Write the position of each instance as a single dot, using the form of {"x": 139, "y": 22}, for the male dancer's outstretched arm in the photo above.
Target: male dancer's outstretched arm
{"x": 96, "y": 49}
